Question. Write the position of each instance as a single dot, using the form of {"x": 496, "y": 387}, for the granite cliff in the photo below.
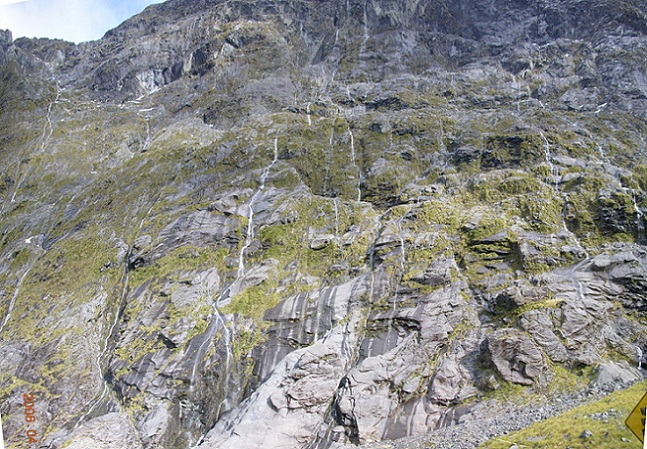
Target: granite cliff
{"x": 309, "y": 224}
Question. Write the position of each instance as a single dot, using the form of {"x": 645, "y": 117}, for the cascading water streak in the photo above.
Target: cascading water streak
{"x": 365, "y": 29}
{"x": 515, "y": 87}
{"x": 214, "y": 320}
{"x": 217, "y": 318}
{"x": 12, "y": 303}
{"x": 329, "y": 155}
{"x": 602, "y": 154}
{"x": 228, "y": 357}
{"x": 639, "y": 214}
{"x": 106, "y": 341}
{"x": 371, "y": 291}
{"x": 48, "y": 124}
{"x": 354, "y": 164}
{"x": 105, "y": 390}
{"x": 147, "y": 142}
{"x": 48, "y": 130}
{"x": 554, "y": 172}
{"x": 249, "y": 235}
{"x": 403, "y": 256}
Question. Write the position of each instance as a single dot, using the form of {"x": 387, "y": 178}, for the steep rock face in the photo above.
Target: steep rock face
{"x": 310, "y": 224}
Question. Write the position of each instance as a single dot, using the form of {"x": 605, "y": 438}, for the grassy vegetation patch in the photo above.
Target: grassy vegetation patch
{"x": 185, "y": 258}
{"x": 254, "y": 301}
{"x": 603, "y": 418}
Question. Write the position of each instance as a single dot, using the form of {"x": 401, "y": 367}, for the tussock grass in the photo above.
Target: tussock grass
{"x": 604, "y": 418}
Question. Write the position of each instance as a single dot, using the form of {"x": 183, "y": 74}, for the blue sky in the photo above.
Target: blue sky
{"x": 72, "y": 20}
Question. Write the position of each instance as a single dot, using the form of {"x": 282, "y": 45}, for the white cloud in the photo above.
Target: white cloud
{"x": 9, "y": 2}
{"x": 72, "y": 20}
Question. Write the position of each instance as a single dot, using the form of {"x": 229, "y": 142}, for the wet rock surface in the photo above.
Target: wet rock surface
{"x": 321, "y": 224}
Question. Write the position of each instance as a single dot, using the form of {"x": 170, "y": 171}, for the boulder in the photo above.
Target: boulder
{"x": 611, "y": 376}
{"x": 452, "y": 382}
{"x": 321, "y": 241}
{"x": 515, "y": 356}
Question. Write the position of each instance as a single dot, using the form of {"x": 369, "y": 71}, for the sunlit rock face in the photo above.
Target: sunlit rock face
{"x": 316, "y": 224}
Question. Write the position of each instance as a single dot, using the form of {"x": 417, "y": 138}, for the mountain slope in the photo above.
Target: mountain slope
{"x": 303, "y": 224}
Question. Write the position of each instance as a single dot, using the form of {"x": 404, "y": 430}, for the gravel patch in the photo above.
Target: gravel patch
{"x": 492, "y": 420}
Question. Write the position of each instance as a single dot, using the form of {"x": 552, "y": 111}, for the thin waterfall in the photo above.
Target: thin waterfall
{"x": 106, "y": 341}
{"x": 228, "y": 358}
{"x": 48, "y": 124}
{"x": 249, "y": 235}
{"x": 602, "y": 154}
{"x": 639, "y": 214}
{"x": 147, "y": 142}
{"x": 515, "y": 88}
{"x": 48, "y": 130}
{"x": 365, "y": 30}
{"x": 329, "y": 155}
{"x": 12, "y": 303}
{"x": 105, "y": 390}
{"x": 216, "y": 322}
{"x": 580, "y": 287}
{"x": 371, "y": 291}
{"x": 403, "y": 256}
{"x": 554, "y": 172}
{"x": 354, "y": 164}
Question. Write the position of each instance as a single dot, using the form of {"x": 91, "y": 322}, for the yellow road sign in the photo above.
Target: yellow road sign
{"x": 636, "y": 419}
